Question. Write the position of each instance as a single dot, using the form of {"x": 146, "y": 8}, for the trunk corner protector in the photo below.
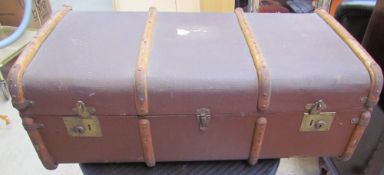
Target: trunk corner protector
{"x": 374, "y": 71}
{"x": 32, "y": 129}
{"x": 15, "y": 78}
{"x": 356, "y": 136}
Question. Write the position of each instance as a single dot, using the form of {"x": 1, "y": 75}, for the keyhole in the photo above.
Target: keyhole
{"x": 320, "y": 124}
{"x": 79, "y": 129}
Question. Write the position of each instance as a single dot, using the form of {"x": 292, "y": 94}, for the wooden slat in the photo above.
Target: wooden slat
{"x": 146, "y": 142}
{"x": 141, "y": 89}
{"x": 257, "y": 141}
{"x": 264, "y": 94}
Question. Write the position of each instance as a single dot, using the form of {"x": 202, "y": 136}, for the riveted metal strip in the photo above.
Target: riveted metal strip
{"x": 372, "y": 67}
{"x": 257, "y": 141}
{"x": 356, "y": 136}
{"x": 146, "y": 142}
{"x": 141, "y": 91}
{"x": 264, "y": 95}
{"x": 32, "y": 128}
{"x": 15, "y": 78}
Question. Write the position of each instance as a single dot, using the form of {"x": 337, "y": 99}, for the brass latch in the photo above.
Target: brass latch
{"x": 315, "y": 119}
{"x": 85, "y": 124}
{"x": 203, "y": 116}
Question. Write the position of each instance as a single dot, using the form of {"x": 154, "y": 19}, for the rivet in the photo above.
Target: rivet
{"x": 354, "y": 120}
{"x": 363, "y": 99}
{"x": 79, "y": 129}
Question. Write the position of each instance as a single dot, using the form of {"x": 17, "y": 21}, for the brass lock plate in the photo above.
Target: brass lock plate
{"x": 83, "y": 127}
{"x": 317, "y": 122}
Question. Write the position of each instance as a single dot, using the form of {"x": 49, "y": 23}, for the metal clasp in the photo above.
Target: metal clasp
{"x": 83, "y": 111}
{"x": 316, "y": 108}
{"x": 315, "y": 119}
{"x": 85, "y": 125}
{"x": 203, "y": 116}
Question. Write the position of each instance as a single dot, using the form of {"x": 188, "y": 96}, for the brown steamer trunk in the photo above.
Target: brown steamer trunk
{"x": 138, "y": 87}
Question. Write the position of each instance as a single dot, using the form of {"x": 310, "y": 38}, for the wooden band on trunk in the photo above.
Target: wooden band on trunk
{"x": 15, "y": 78}
{"x": 146, "y": 142}
{"x": 141, "y": 91}
{"x": 257, "y": 140}
{"x": 37, "y": 141}
{"x": 356, "y": 135}
{"x": 373, "y": 68}
{"x": 264, "y": 95}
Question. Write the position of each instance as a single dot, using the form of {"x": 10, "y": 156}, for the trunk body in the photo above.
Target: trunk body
{"x": 201, "y": 88}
